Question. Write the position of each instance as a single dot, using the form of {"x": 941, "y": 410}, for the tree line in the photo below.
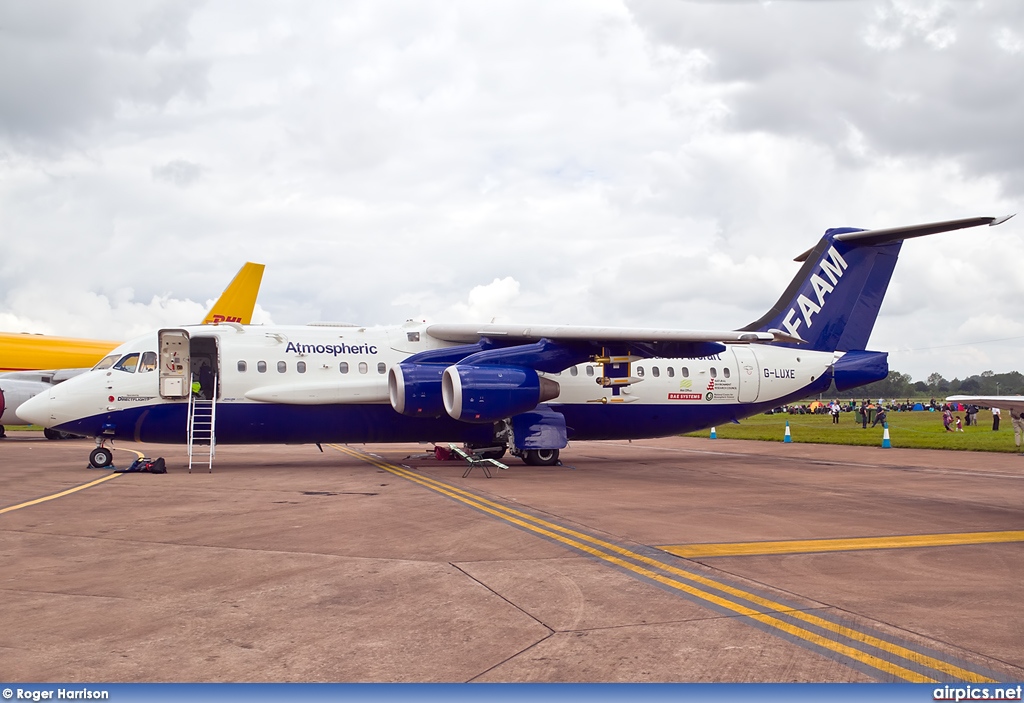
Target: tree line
{"x": 901, "y": 385}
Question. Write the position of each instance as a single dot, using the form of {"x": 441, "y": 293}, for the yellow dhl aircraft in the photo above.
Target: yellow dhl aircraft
{"x": 30, "y": 352}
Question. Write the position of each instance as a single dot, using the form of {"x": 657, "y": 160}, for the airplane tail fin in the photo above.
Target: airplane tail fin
{"x": 833, "y": 301}
{"x": 238, "y": 300}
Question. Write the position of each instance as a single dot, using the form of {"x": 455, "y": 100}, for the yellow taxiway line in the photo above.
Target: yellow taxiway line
{"x": 58, "y": 495}
{"x": 810, "y": 546}
{"x": 697, "y": 585}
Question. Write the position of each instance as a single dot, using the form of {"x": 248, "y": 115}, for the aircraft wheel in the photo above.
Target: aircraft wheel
{"x": 541, "y": 457}
{"x": 101, "y": 457}
{"x": 52, "y": 434}
{"x": 496, "y": 454}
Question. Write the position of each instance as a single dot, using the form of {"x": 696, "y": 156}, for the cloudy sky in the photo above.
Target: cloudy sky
{"x": 650, "y": 162}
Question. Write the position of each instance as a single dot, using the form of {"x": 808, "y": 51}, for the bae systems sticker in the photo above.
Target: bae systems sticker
{"x": 684, "y": 396}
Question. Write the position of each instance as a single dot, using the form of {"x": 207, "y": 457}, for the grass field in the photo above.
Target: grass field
{"x": 918, "y": 430}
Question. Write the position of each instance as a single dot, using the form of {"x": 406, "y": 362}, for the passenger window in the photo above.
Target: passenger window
{"x": 282, "y": 366}
{"x": 714, "y": 372}
{"x": 656, "y": 372}
{"x": 300, "y": 366}
{"x": 242, "y": 366}
{"x": 590, "y": 370}
{"x": 412, "y": 336}
{"x": 363, "y": 368}
{"x": 148, "y": 362}
{"x": 106, "y": 362}
{"x": 261, "y": 366}
{"x": 573, "y": 371}
{"x": 725, "y": 372}
{"x": 382, "y": 367}
{"x": 686, "y": 372}
{"x": 128, "y": 363}
{"x": 671, "y": 372}
{"x": 343, "y": 367}
{"x": 640, "y": 371}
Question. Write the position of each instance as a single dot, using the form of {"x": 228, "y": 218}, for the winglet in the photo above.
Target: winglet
{"x": 238, "y": 300}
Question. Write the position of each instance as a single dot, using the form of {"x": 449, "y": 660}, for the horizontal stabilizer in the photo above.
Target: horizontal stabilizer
{"x": 868, "y": 237}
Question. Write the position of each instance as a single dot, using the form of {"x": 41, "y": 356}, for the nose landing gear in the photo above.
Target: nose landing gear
{"x": 101, "y": 457}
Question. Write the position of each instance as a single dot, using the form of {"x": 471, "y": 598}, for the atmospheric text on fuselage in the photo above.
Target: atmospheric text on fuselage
{"x": 332, "y": 349}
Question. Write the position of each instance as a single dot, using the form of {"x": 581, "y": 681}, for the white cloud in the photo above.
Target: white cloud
{"x": 643, "y": 163}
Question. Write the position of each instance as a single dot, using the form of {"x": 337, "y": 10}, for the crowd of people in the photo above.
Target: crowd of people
{"x": 876, "y": 413}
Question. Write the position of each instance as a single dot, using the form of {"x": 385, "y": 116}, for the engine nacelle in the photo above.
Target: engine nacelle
{"x": 415, "y": 389}
{"x": 491, "y": 393}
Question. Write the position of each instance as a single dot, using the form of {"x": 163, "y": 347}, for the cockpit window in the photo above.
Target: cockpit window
{"x": 128, "y": 363}
{"x": 106, "y": 362}
{"x": 148, "y": 362}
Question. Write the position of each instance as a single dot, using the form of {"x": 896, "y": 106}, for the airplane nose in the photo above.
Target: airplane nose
{"x": 36, "y": 410}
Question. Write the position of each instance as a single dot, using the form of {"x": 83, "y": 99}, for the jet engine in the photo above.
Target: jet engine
{"x": 415, "y": 389}
{"x": 490, "y": 393}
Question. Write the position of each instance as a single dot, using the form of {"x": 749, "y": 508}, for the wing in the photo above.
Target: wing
{"x": 1014, "y": 404}
{"x": 470, "y": 333}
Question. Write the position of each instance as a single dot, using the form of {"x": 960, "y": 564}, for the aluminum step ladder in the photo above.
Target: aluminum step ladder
{"x": 202, "y": 421}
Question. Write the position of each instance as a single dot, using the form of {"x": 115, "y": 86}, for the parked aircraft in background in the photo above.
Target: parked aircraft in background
{"x": 528, "y": 388}
{"x": 1011, "y": 409}
{"x": 29, "y": 352}
{"x": 32, "y": 352}
{"x": 25, "y": 357}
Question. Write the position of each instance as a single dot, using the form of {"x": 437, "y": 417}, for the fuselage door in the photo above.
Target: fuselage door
{"x": 174, "y": 364}
{"x": 748, "y": 371}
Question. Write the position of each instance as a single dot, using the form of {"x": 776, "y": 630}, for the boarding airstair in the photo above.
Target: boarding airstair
{"x": 202, "y": 420}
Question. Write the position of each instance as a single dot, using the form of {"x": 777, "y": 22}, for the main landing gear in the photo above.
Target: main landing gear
{"x": 540, "y": 457}
{"x": 532, "y": 457}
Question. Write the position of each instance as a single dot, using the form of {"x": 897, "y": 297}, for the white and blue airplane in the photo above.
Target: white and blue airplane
{"x": 494, "y": 387}
{"x": 18, "y": 386}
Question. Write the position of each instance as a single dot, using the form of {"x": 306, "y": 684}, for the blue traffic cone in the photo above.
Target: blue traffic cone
{"x": 886, "y": 444}
{"x": 787, "y": 438}
{"x": 713, "y": 435}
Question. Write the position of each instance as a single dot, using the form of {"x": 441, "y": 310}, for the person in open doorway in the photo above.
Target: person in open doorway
{"x": 995, "y": 419}
{"x": 206, "y": 382}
